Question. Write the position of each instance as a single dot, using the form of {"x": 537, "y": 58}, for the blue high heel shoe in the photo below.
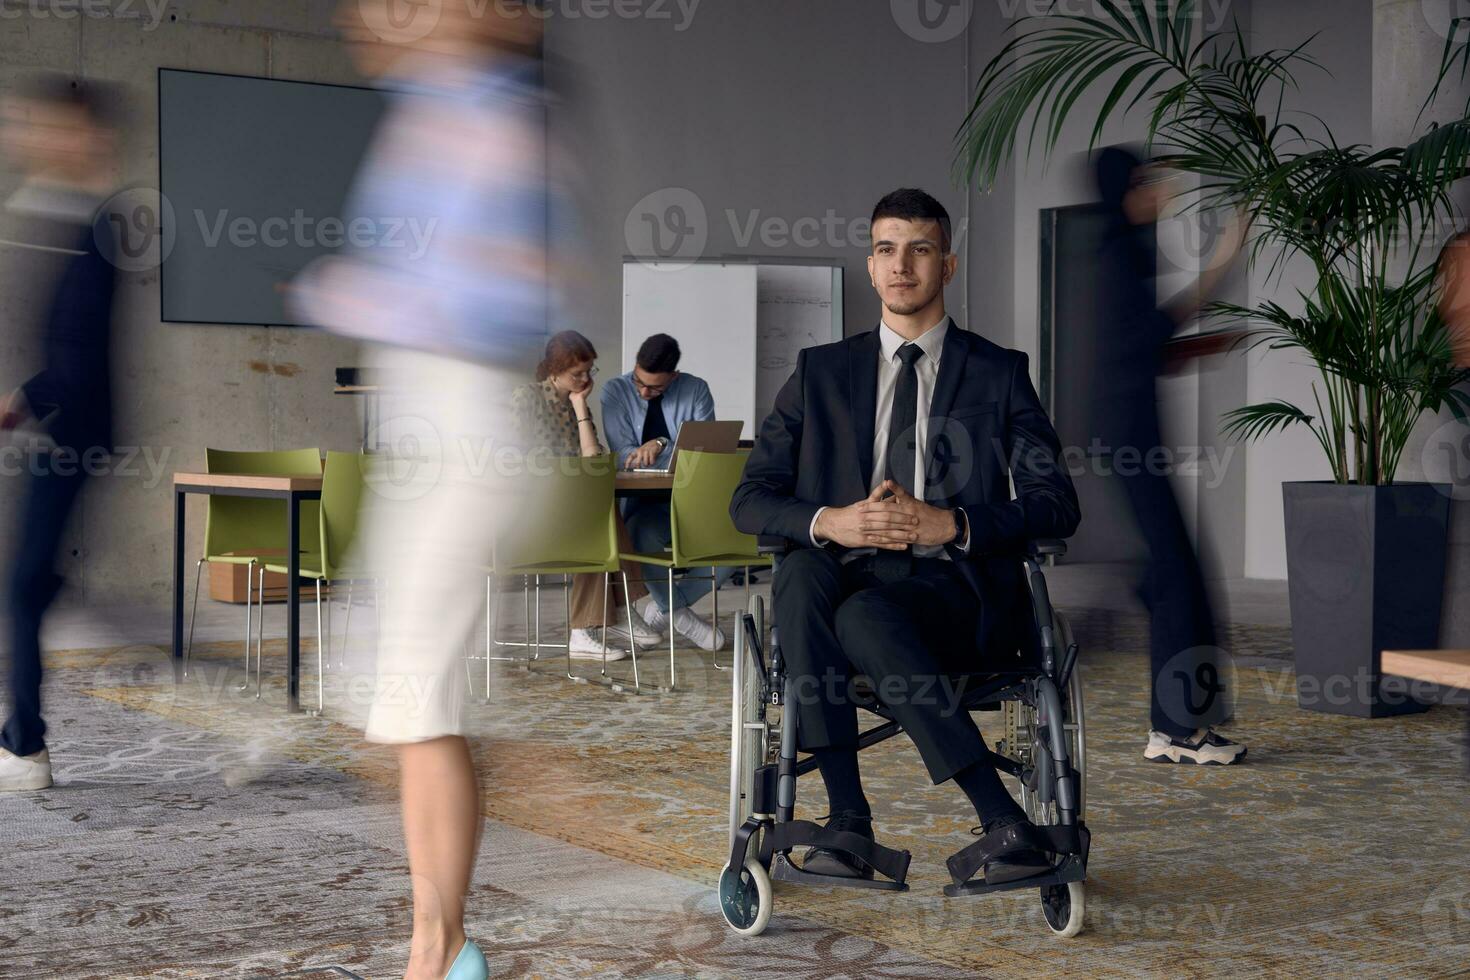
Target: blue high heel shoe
{"x": 469, "y": 964}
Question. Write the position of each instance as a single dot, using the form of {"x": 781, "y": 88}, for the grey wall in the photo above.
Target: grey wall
{"x": 764, "y": 114}
{"x": 180, "y": 388}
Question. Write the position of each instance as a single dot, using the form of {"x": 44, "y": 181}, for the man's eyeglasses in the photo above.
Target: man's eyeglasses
{"x": 651, "y": 389}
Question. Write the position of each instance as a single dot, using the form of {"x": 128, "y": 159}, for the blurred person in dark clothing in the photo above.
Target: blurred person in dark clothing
{"x": 62, "y": 136}
{"x": 1188, "y": 694}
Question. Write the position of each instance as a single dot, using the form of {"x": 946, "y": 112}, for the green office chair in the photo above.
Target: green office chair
{"x": 703, "y": 533}
{"x": 565, "y": 525}
{"x": 327, "y": 557}
{"x": 246, "y": 530}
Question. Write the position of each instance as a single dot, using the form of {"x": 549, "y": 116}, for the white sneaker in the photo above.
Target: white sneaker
{"x": 656, "y": 618}
{"x": 1205, "y": 747}
{"x": 20, "y": 773}
{"x": 587, "y": 645}
{"x": 643, "y": 634}
{"x": 703, "y": 635}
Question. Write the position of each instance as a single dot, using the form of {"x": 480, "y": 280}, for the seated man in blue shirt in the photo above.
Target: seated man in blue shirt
{"x": 641, "y": 414}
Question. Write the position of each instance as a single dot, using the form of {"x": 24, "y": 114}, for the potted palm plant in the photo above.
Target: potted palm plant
{"x": 1365, "y": 555}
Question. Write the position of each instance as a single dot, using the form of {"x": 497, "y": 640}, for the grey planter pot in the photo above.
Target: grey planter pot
{"x": 1365, "y": 572}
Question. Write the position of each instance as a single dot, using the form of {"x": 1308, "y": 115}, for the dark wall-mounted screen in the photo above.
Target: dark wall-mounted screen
{"x": 255, "y": 173}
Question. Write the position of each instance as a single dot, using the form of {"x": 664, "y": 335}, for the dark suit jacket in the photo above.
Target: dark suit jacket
{"x": 815, "y": 449}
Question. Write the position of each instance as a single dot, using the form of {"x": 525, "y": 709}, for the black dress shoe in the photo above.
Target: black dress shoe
{"x": 1009, "y": 852}
{"x": 840, "y": 864}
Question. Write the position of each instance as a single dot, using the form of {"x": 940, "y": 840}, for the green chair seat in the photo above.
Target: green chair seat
{"x": 665, "y": 559}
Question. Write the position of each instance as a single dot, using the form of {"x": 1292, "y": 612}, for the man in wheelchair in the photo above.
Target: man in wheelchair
{"x": 885, "y": 464}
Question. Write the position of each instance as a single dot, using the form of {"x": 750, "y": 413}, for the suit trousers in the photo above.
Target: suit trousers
{"x": 914, "y": 638}
{"x": 34, "y": 583}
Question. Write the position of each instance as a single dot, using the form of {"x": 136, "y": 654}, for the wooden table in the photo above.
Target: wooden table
{"x": 291, "y": 489}
{"x": 1450, "y": 668}
{"x": 644, "y": 484}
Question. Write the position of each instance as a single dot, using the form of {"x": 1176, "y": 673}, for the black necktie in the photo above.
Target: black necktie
{"x": 903, "y": 439}
{"x": 903, "y": 427}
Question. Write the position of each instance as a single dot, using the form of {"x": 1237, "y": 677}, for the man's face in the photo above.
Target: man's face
{"x": 908, "y": 267}
{"x": 650, "y": 385}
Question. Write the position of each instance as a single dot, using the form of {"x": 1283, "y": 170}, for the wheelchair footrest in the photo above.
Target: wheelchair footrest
{"x": 1070, "y": 868}
{"x": 886, "y": 861}
{"x": 783, "y": 870}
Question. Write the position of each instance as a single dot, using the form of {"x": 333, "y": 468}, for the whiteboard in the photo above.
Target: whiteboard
{"x": 740, "y": 325}
{"x": 710, "y": 309}
{"x": 797, "y": 306}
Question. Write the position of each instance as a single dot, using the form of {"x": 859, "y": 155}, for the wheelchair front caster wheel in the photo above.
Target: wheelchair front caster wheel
{"x": 745, "y": 897}
{"x": 1064, "y": 907}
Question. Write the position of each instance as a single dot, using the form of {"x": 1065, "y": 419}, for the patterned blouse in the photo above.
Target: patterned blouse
{"x": 545, "y": 419}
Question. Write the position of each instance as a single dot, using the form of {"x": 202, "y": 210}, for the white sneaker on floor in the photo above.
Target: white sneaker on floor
{"x": 1205, "y": 747}
{"x": 587, "y": 645}
{"x": 702, "y": 634}
{"x": 22, "y": 773}
{"x": 643, "y": 634}
{"x": 656, "y": 618}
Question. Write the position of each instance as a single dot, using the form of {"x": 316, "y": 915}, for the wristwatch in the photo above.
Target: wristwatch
{"x": 961, "y": 526}
{"x": 663, "y": 443}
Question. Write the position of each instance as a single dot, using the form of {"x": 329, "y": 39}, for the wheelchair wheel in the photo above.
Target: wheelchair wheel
{"x": 1064, "y": 906}
{"x": 745, "y": 898}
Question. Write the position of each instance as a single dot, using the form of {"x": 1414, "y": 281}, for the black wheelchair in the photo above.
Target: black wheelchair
{"x": 1043, "y": 746}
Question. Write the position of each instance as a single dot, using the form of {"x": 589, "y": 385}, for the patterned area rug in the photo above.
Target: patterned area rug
{"x": 198, "y": 832}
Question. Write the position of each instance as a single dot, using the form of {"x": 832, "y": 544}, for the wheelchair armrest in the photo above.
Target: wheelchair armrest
{"x": 772, "y": 544}
{"x": 1046, "y": 546}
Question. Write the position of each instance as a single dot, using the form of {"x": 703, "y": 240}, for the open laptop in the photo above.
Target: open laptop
{"x": 702, "y": 437}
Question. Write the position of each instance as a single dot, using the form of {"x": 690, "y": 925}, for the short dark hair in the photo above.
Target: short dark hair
{"x": 565, "y": 350}
{"x": 659, "y": 354}
{"x": 912, "y": 204}
{"x": 101, "y": 101}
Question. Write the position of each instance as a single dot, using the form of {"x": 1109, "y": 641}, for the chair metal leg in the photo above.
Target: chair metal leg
{"x": 632, "y": 646}
{"x": 606, "y": 588}
{"x": 321, "y": 696}
{"x": 259, "y": 638}
{"x": 194, "y": 617}
{"x": 714, "y": 595}
{"x": 346, "y": 629}
{"x": 672, "y": 685}
{"x": 567, "y": 594}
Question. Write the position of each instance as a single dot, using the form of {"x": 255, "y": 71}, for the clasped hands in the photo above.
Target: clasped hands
{"x": 890, "y": 518}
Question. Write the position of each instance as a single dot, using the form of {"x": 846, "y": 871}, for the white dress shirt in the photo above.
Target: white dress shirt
{"x": 889, "y": 369}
